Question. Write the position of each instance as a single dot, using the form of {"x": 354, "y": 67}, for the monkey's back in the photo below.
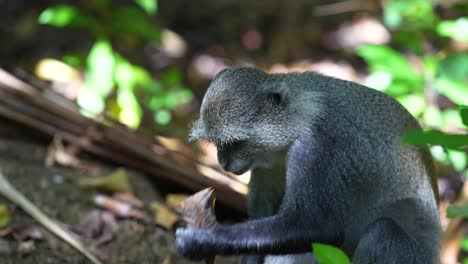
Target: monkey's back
{"x": 384, "y": 177}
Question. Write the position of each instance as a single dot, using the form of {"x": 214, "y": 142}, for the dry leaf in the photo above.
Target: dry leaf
{"x": 197, "y": 212}
{"x": 5, "y": 215}
{"x": 129, "y": 199}
{"x": 98, "y": 226}
{"x": 162, "y": 215}
{"x": 117, "y": 207}
{"x": 115, "y": 182}
{"x": 174, "y": 199}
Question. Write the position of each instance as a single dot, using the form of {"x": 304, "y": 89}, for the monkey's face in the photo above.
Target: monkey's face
{"x": 243, "y": 119}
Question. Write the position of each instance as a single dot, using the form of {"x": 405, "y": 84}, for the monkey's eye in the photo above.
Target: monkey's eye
{"x": 275, "y": 98}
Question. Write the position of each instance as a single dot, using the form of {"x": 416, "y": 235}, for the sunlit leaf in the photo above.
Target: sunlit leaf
{"x": 457, "y": 211}
{"x": 453, "y": 89}
{"x": 327, "y": 254}
{"x": 5, "y": 215}
{"x": 100, "y": 69}
{"x": 434, "y": 137}
{"x": 464, "y": 115}
{"x": 131, "y": 112}
{"x": 59, "y": 16}
{"x": 379, "y": 80}
{"x": 456, "y": 29}
{"x": 451, "y": 118}
{"x": 458, "y": 159}
{"x": 454, "y": 67}
{"x": 67, "y": 15}
{"x": 150, "y": 6}
{"x": 439, "y": 153}
{"x": 184, "y": 96}
{"x": 162, "y": 117}
{"x": 124, "y": 74}
{"x": 451, "y": 79}
{"x": 170, "y": 101}
{"x": 414, "y": 103}
{"x": 432, "y": 117}
{"x": 464, "y": 244}
{"x": 90, "y": 100}
{"x": 384, "y": 59}
{"x": 410, "y": 13}
{"x": 156, "y": 103}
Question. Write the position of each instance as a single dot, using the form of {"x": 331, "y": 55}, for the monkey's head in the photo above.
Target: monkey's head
{"x": 247, "y": 114}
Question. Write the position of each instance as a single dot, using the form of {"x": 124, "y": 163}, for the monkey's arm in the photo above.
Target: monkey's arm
{"x": 278, "y": 234}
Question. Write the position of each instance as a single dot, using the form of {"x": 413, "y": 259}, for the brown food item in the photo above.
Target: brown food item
{"x": 197, "y": 212}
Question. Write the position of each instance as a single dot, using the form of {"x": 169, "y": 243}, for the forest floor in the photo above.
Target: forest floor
{"x": 56, "y": 192}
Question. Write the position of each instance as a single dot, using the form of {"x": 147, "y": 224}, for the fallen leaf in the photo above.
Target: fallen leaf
{"x": 174, "y": 199}
{"x": 197, "y": 212}
{"x": 163, "y": 216}
{"x": 98, "y": 226}
{"x": 5, "y": 215}
{"x": 27, "y": 232}
{"x": 129, "y": 199}
{"x": 26, "y": 247}
{"x": 117, "y": 207}
{"x": 115, "y": 182}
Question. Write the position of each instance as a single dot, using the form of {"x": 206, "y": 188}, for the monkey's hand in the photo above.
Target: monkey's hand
{"x": 193, "y": 243}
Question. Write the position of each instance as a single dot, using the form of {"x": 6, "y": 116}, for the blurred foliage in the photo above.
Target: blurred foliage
{"x": 112, "y": 83}
{"x": 430, "y": 72}
{"x": 423, "y": 74}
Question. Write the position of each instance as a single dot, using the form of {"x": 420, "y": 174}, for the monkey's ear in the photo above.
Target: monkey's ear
{"x": 277, "y": 92}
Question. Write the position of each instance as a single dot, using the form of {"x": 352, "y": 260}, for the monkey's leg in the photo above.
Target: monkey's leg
{"x": 285, "y": 233}
{"x": 385, "y": 242}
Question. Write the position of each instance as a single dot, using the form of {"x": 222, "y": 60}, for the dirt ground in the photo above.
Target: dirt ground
{"x": 55, "y": 191}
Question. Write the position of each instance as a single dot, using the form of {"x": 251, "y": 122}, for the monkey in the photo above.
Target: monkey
{"x": 266, "y": 190}
{"x": 349, "y": 182}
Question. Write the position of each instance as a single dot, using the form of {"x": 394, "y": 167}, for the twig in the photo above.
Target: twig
{"x": 7, "y": 190}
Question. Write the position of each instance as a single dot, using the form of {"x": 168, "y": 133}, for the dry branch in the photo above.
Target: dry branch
{"x": 28, "y": 105}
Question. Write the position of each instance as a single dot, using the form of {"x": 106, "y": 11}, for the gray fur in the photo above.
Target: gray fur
{"x": 349, "y": 181}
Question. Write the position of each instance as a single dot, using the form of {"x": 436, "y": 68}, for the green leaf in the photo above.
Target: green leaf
{"x": 413, "y": 14}
{"x": 67, "y": 15}
{"x": 464, "y": 244}
{"x": 5, "y": 215}
{"x": 404, "y": 78}
{"x": 434, "y": 137}
{"x": 464, "y": 115}
{"x": 100, "y": 68}
{"x": 457, "y": 211}
{"x": 327, "y": 254}
{"x": 150, "y": 6}
{"x": 172, "y": 77}
{"x": 135, "y": 21}
{"x": 162, "y": 117}
{"x": 454, "y": 66}
{"x": 131, "y": 112}
{"x": 451, "y": 79}
{"x": 458, "y": 159}
{"x": 456, "y": 29}
{"x": 124, "y": 74}
{"x": 414, "y": 103}
{"x": 59, "y": 16}
{"x": 90, "y": 101}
